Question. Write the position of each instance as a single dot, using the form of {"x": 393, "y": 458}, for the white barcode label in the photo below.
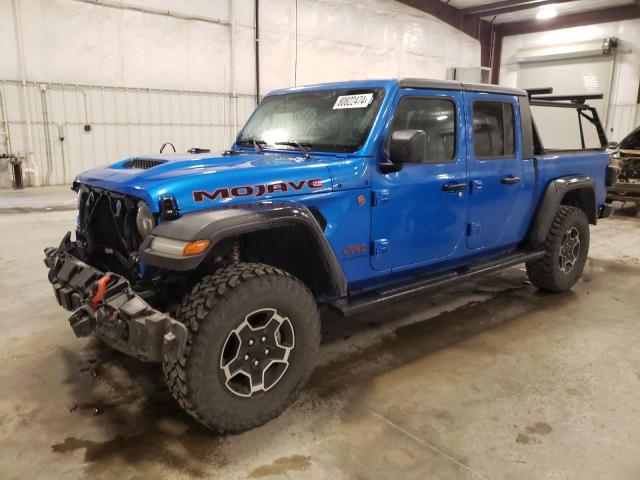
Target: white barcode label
{"x": 361, "y": 100}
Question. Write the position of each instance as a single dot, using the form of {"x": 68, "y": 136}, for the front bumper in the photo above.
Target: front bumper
{"x": 121, "y": 318}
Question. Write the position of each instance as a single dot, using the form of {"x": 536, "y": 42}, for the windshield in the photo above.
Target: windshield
{"x": 328, "y": 120}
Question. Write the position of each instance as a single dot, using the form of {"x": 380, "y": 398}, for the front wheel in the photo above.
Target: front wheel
{"x": 565, "y": 252}
{"x": 254, "y": 334}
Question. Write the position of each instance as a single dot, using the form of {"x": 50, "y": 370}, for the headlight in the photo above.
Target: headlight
{"x": 144, "y": 220}
{"x": 178, "y": 247}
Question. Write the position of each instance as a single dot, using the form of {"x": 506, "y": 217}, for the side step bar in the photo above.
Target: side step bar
{"x": 359, "y": 303}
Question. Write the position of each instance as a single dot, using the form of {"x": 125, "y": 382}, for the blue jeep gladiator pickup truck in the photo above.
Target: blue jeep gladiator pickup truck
{"x": 346, "y": 195}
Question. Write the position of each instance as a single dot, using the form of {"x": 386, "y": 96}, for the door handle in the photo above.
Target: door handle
{"x": 510, "y": 180}
{"x": 454, "y": 187}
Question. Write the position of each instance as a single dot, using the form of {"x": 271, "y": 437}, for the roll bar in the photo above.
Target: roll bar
{"x": 541, "y": 97}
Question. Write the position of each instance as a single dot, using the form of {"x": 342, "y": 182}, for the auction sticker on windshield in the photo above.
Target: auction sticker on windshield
{"x": 361, "y": 100}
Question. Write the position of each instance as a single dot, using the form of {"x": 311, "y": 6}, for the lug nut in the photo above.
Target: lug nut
{"x": 256, "y": 363}
{"x": 246, "y": 357}
{"x": 266, "y": 351}
{"x": 251, "y": 342}
{"x": 263, "y": 339}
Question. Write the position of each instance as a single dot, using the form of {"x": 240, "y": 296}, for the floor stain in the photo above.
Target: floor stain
{"x": 131, "y": 398}
{"x": 574, "y": 392}
{"x": 133, "y": 449}
{"x": 539, "y": 428}
{"x": 281, "y": 466}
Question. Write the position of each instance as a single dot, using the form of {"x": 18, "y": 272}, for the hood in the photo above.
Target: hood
{"x": 205, "y": 180}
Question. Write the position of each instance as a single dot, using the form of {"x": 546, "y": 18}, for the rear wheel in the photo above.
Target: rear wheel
{"x": 254, "y": 333}
{"x": 565, "y": 251}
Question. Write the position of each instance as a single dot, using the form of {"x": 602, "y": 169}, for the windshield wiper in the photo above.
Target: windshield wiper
{"x": 231, "y": 152}
{"x": 299, "y": 146}
{"x": 257, "y": 144}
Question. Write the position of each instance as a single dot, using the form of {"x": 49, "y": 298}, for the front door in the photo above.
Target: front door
{"x": 419, "y": 213}
{"x": 496, "y": 173}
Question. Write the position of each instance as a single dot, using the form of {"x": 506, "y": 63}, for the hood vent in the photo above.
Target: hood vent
{"x": 142, "y": 163}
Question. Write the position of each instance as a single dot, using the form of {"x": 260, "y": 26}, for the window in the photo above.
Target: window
{"x": 559, "y": 129}
{"x": 493, "y": 129}
{"x": 436, "y": 117}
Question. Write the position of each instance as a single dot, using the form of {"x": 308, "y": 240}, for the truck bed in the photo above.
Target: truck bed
{"x": 591, "y": 163}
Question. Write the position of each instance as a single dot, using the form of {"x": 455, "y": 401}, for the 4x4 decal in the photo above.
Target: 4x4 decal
{"x": 256, "y": 190}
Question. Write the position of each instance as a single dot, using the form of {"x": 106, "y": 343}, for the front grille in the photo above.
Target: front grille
{"x": 142, "y": 163}
{"x": 107, "y": 231}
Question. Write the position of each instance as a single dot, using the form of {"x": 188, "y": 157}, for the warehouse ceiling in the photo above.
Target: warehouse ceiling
{"x": 523, "y": 10}
{"x": 490, "y": 21}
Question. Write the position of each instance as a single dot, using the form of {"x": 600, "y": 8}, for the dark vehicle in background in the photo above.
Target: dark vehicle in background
{"x": 626, "y": 159}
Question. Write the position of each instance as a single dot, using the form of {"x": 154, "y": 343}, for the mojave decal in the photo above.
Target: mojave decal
{"x": 256, "y": 190}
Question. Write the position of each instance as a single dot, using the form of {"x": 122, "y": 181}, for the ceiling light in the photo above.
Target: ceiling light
{"x": 546, "y": 13}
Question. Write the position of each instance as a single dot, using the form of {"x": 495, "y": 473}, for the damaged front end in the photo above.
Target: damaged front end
{"x": 626, "y": 161}
{"x": 106, "y": 305}
{"x": 626, "y": 188}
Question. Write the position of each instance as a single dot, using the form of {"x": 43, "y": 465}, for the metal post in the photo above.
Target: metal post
{"x": 23, "y": 74}
{"x": 581, "y": 130}
{"x": 47, "y": 135}
{"x": 257, "y": 48}
{"x": 18, "y": 184}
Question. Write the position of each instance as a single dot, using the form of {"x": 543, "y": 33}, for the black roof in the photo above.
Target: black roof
{"x": 458, "y": 85}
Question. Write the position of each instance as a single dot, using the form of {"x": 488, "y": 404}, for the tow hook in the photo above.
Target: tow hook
{"x": 82, "y": 321}
{"x": 101, "y": 289}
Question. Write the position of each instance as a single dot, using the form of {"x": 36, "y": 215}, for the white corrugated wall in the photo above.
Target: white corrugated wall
{"x": 138, "y": 79}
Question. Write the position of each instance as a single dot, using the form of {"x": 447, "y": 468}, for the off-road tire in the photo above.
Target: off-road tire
{"x": 214, "y": 307}
{"x": 546, "y": 273}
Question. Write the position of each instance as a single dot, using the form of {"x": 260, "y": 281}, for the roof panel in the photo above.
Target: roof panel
{"x": 426, "y": 83}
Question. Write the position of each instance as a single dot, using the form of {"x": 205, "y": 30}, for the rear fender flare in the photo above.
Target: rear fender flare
{"x": 553, "y": 197}
{"x": 227, "y": 222}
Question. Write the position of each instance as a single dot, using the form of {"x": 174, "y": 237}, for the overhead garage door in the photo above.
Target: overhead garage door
{"x": 559, "y": 128}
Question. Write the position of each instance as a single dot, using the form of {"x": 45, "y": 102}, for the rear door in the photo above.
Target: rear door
{"x": 499, "y": 198}
{"x": 419, "y": 213}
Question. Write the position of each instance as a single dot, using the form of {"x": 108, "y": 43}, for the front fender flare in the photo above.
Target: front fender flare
{"x": 219, "y": 223}
{"x": 551, "y": 200}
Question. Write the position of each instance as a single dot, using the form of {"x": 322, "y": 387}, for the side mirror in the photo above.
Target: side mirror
{"x": 407, "y": 146}
{"x": 612, "y": 145}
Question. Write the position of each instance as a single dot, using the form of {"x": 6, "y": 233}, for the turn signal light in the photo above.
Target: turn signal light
{"x": 195, "y": 248}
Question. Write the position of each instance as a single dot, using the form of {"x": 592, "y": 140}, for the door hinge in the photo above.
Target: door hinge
{"x": 379, "y": 196}
{"x": 473, "y": 229}
{"x": 380, "y": 246}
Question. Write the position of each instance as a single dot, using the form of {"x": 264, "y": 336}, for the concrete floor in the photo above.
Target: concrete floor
{"x": 490, "y": 379}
